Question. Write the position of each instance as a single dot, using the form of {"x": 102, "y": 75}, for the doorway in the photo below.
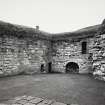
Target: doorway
{"x": 49, "y": 67}
{"x": 72, "y": 67}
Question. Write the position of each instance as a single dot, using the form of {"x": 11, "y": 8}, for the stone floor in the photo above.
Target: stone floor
{"x": 29, "y": 100}
{"x": 70, "y": 89}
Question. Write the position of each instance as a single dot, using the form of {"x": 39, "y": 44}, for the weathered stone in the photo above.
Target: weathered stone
{"x": 36, "y": 100}
{"x": 46, "y": 102}
{"x": 22, "y": 101}
{"x": 24, "y": 50}
{"x": 58, "y": 103}
{"x": 29, "y": 100}
{"x": 29, "y": 104}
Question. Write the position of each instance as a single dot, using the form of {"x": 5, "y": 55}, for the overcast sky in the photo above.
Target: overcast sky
{"x": 53, "y": 15}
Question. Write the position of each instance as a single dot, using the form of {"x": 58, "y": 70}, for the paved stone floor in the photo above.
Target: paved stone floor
{"x": 72, "y": 89}
{"x": 29, "y": 100}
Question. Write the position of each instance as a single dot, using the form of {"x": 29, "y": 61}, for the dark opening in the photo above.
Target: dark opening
{"x": 84, "y": 47}
{"x": 50, "y": 67}
{"x": 72, "y": 67}
{"x": 90, "y": 58}
{"x": 42, "y": 68}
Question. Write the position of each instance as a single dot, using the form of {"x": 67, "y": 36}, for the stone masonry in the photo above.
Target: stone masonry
{"x": 29, "y": 50}
{"x": 30, "y": 100}
{"x": 18, "y": 55}
{"x": 68, "y": 51}
{"x": 99, "y": 53}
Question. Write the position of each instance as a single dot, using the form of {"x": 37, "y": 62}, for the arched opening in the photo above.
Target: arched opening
{"x": 72, "y": 67}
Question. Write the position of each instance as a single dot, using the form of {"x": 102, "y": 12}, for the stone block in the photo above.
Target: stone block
{"x": 36, "y": 100}
{"x": 46, "y": 102}
{"x": 58, "y": 103}
{"x": 22, "y": 102}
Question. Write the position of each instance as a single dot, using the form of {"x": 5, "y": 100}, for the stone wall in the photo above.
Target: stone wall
{"x": 26, "y": 54}
{"x": 70, "y": 51}
{"x": 99, "y": 57}
{"x": 98, "y": 53}
{"x": 24, "y": 50}
{"x": 18, "y": 55}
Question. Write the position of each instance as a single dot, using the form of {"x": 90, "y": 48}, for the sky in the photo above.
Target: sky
{"x": 53, "y": 16}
